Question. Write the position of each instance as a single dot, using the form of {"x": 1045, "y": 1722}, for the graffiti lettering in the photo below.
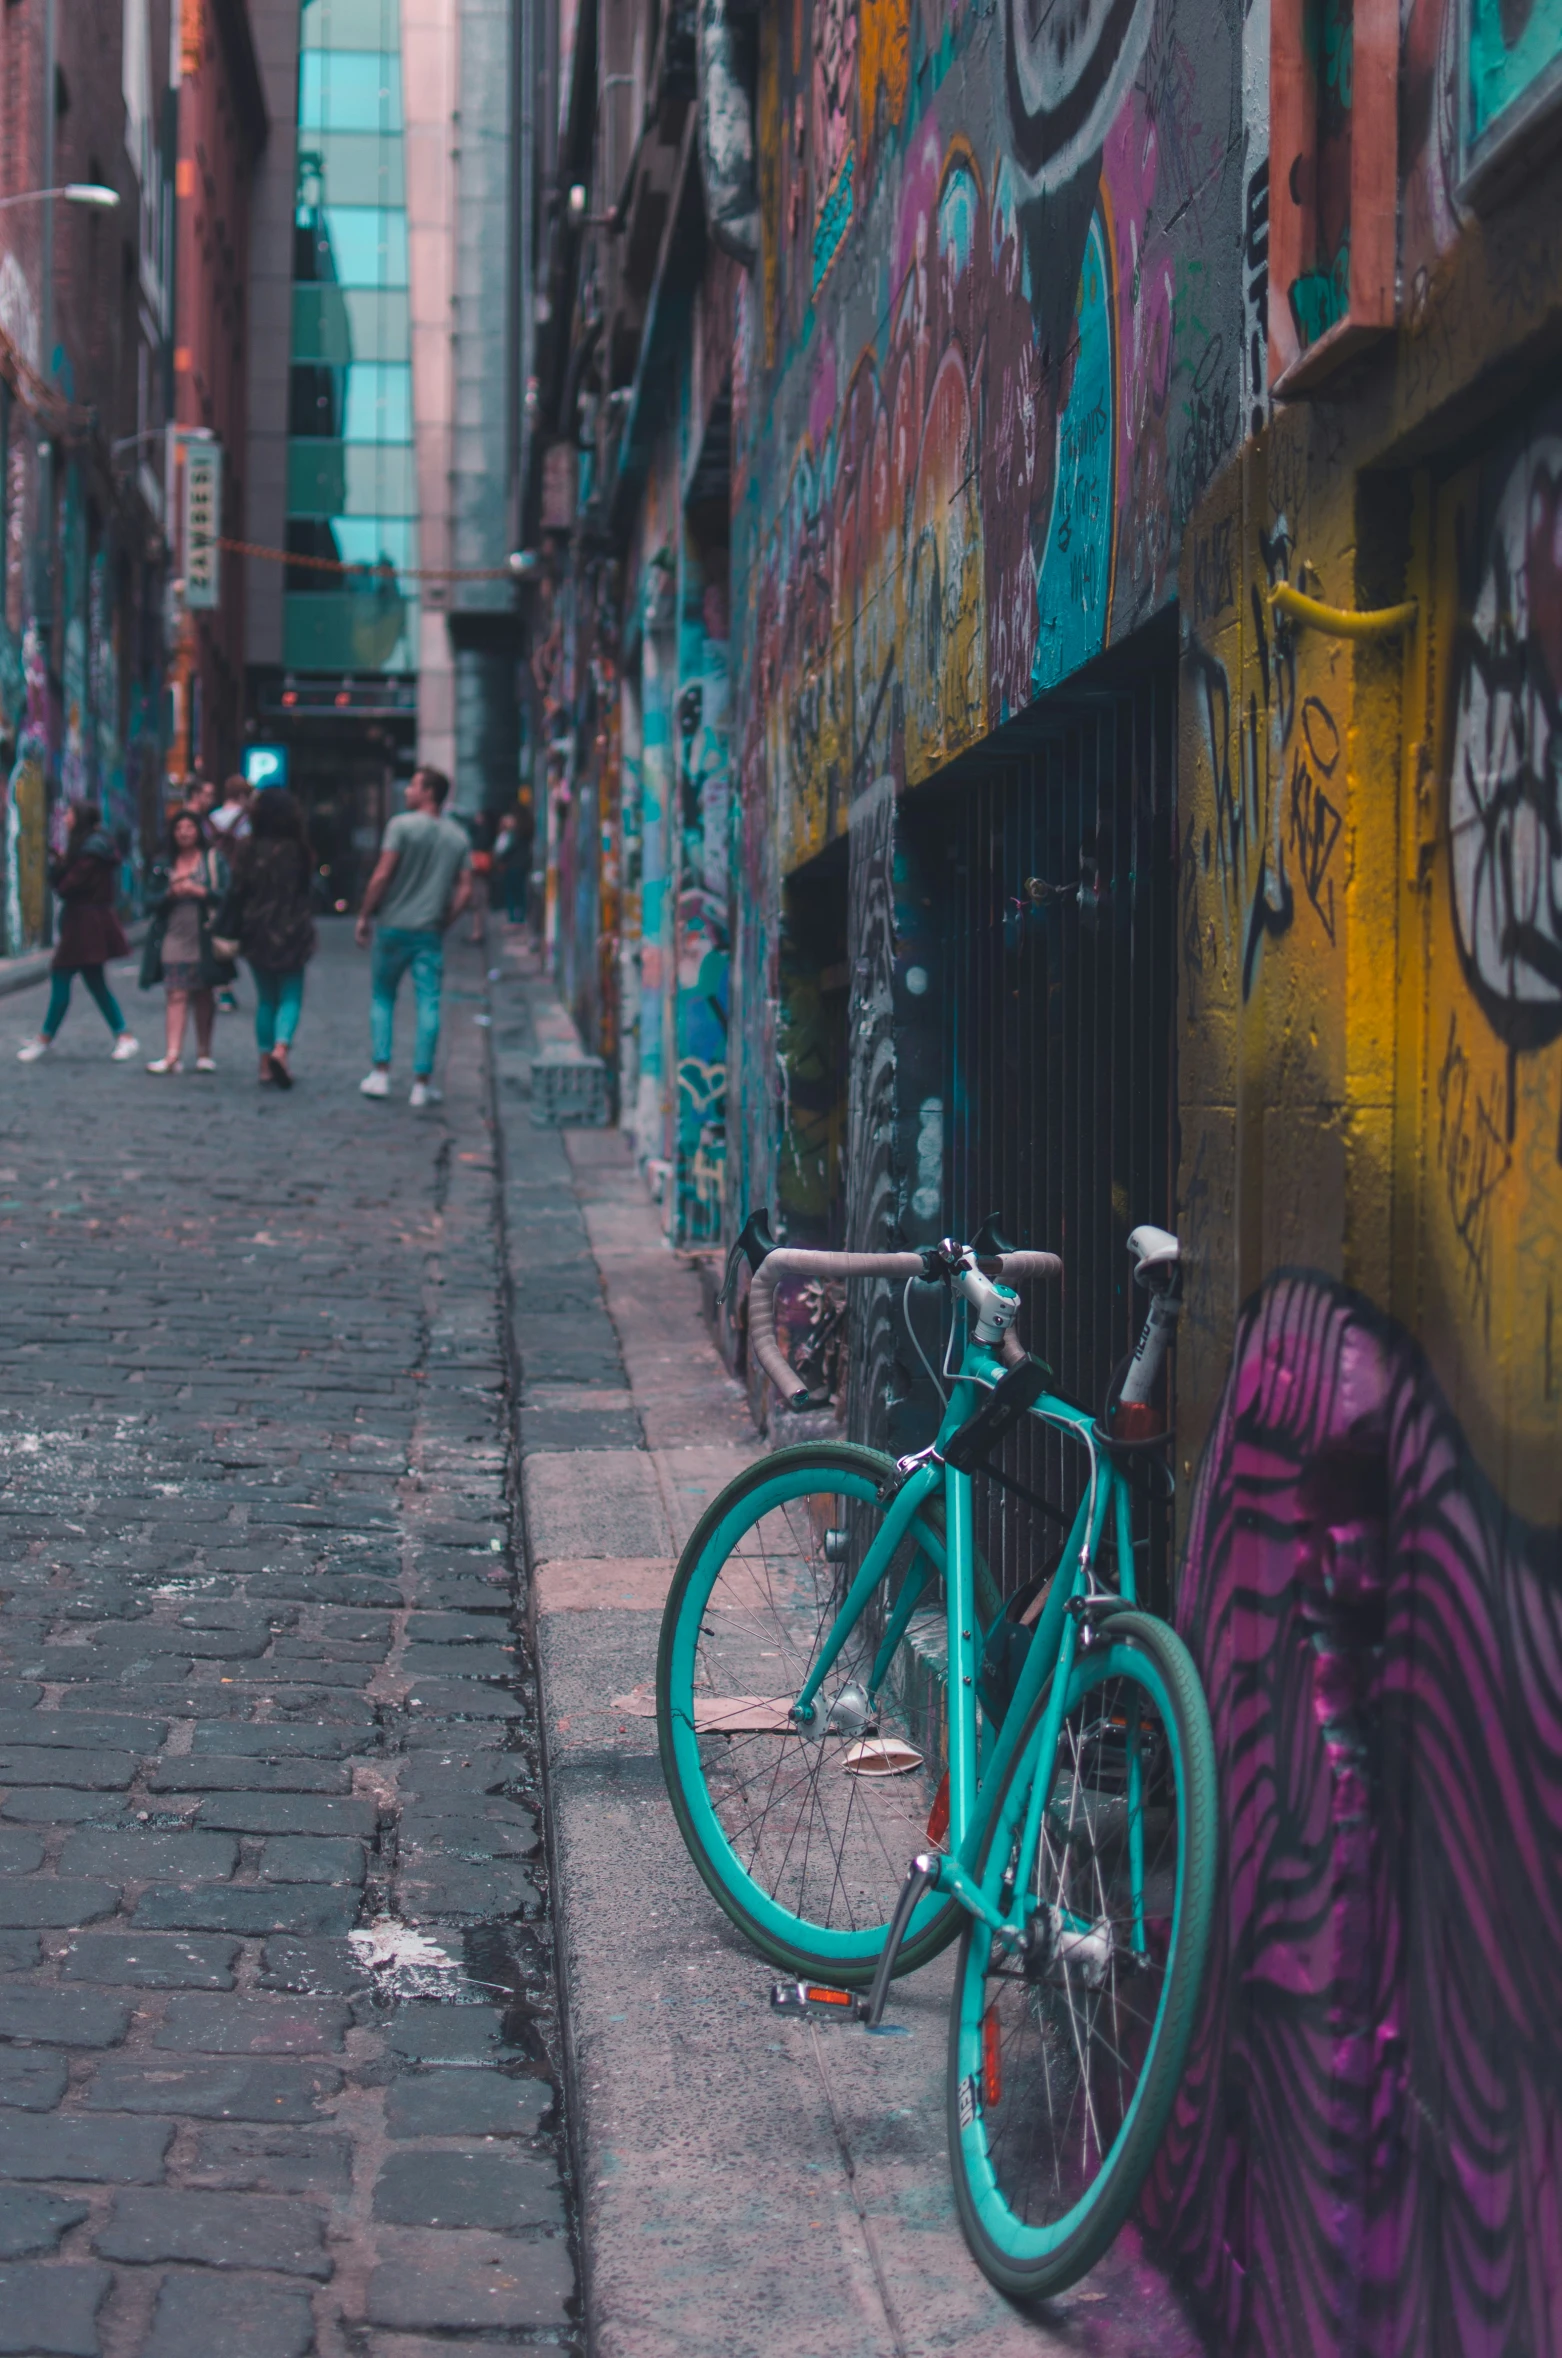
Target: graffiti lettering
{"x": 1313, "y": 832}
{"x": 1210, "y": 415}
{"x": 1474, "y": 1158}
{"x": 1255, "y": 250}
{"x": 1505, "y": 771}
{"x": 1249, "y": 844}
{"x": 1082, "y": 437}
{"x": 1313, "y": 827}
{"x": 1214, "y": 575}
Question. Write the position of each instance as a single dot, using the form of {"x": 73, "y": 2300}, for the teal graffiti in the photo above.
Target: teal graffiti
{"x": 1074, "y": 586}
{"x": 834, "y": 218}
{"x": 1321, "y": 297}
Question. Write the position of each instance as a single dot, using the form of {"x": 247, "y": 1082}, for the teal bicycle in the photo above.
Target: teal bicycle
{"x": 1071, "y": 1844}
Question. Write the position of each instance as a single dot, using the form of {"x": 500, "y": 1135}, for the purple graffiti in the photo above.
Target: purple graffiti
{"x": 1364, "y": 2158}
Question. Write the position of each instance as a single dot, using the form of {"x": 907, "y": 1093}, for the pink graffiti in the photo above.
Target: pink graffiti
{"x": 1362, "y": 2162}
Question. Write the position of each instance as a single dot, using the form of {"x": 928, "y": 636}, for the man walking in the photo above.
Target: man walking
{"x": 421, "y": 883}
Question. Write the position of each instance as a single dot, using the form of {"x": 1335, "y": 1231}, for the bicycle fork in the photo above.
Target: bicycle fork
{"x": 936, "y": 1871}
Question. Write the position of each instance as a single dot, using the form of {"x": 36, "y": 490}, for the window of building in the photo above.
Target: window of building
{"x": 349, "y": 602}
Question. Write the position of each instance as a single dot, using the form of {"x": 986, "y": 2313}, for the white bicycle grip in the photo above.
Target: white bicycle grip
{"x": 790, "y": 1261}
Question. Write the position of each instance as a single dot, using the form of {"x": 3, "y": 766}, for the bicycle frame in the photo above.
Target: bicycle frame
{"x": 1052, "y": 1652}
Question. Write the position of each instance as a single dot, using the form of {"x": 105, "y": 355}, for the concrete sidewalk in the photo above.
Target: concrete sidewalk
{"x": 748, "y": 2187}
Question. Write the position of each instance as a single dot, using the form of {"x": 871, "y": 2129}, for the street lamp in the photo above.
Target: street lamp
{"x": 88, "y": 193}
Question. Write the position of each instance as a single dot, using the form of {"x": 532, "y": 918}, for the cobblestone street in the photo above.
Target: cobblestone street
{"x": 345, "y": 1453}
{"x": 277, "y": 2026}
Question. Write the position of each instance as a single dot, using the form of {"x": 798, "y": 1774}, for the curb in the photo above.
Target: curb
{"x": 509, "y": 1346}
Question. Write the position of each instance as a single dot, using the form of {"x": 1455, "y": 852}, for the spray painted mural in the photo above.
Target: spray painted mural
{"x": 1003, "y": 332}
{"x": 1363, "y": 2159}
{"x": 1371, "y": 1198}
{"x": 61, "y": 734}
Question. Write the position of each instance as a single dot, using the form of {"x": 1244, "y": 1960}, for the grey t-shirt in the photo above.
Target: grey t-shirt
{"x": 430, "y": 855}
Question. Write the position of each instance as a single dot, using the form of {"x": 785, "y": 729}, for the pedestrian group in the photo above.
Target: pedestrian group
{"x": 237, "y": 879}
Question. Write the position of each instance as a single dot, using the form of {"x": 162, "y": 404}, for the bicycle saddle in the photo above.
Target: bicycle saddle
{"x": 1155, "y": 1251}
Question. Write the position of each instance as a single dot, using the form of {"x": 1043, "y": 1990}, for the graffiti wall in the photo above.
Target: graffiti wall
{"x": 999, "y": 353}
{"x": 63, "y": 735}
{"x": 1369, "y": 1398}
{"x": 703, "y": 918}
{"x": 1363, "y": 2159}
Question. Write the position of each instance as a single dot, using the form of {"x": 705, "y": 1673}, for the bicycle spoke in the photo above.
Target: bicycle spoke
{"x": 1076, "y": 2015}
{"x": 827, "y": 1844}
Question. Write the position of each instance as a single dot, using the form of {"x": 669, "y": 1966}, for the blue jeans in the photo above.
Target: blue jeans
{"x": 396, "y": 948}
{"x": 278, "y": 1001}
{"x": 60, "y": 999}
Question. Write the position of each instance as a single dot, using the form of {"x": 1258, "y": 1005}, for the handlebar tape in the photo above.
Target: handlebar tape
{"x": 789, "y": 1261}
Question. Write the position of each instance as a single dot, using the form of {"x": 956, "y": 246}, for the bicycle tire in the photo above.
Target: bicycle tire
{"x": 1023, "y": 2042}
{"x": 752, "y": 1835}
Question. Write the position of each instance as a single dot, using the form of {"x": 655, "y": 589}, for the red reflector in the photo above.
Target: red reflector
{"x": 1136, "y": 1420}
{"x": 992, "y": 2060}
{"x": 823, "y": 1997}
{"x": 938, "y": 1815}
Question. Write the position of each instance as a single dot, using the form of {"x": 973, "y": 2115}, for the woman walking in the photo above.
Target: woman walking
{"x": 268, "y": 916}
{"x": 184, "y": 892}
{"x": 83, "y": 878}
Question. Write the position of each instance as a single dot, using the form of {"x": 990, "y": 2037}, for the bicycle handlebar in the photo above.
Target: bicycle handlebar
{"x": 787, "y": 1261}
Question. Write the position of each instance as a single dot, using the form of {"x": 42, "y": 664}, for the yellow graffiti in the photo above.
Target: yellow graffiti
{"x": 1370, "y": 1062}
{"x": 884, "y": 65}
{"x": 31, "y": 846}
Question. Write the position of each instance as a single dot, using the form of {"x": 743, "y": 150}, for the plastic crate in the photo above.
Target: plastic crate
{"x": 569, "y": 1093}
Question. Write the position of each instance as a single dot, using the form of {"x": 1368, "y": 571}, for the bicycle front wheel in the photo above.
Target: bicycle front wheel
{"x": 1064, "y": 2058}
{"x": 803, "y": 1834}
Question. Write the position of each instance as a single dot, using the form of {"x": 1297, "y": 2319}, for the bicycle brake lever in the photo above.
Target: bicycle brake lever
{"x": 752, "y": 1246}
{"x": 989, "y": 1243}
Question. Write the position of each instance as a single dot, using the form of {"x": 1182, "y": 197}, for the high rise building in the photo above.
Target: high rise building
{"x": 392, "y": 202}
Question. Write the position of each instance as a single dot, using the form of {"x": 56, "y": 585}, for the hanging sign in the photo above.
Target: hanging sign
{"x": 202, "y": 524}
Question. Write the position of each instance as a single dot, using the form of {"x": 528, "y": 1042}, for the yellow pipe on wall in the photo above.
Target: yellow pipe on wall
{"x": 1378, "y": 623}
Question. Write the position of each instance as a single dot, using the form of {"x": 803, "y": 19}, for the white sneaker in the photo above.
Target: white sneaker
{"x": 163, "y": 1064}
{"x": 126, "y": 1046}
{"x": 375, "y": 1084}
{"x": 424, "y": 1093}
{"x": 33, "y": 1049}
{"x": 205, "y": 1064}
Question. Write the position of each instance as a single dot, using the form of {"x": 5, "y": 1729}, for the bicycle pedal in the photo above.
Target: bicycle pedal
{"x": 815, "y": 2001}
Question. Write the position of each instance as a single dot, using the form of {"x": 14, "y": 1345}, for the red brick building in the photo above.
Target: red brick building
{"x": 221, "y": 129}
{"x": 84, "y": 309}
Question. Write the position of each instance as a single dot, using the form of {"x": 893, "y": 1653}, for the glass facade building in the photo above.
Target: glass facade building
{"x": 351, "y": 480}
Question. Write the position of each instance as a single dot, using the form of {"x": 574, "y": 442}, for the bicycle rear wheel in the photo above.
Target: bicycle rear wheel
{"x": 798, "y": 1832}
{"x": 1064, "y": 2060}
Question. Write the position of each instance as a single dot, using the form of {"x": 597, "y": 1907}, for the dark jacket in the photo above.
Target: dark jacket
{"x": 268, "y": 910}
{"x": 160, "y": 903}
{"x": 90, "y": 933}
